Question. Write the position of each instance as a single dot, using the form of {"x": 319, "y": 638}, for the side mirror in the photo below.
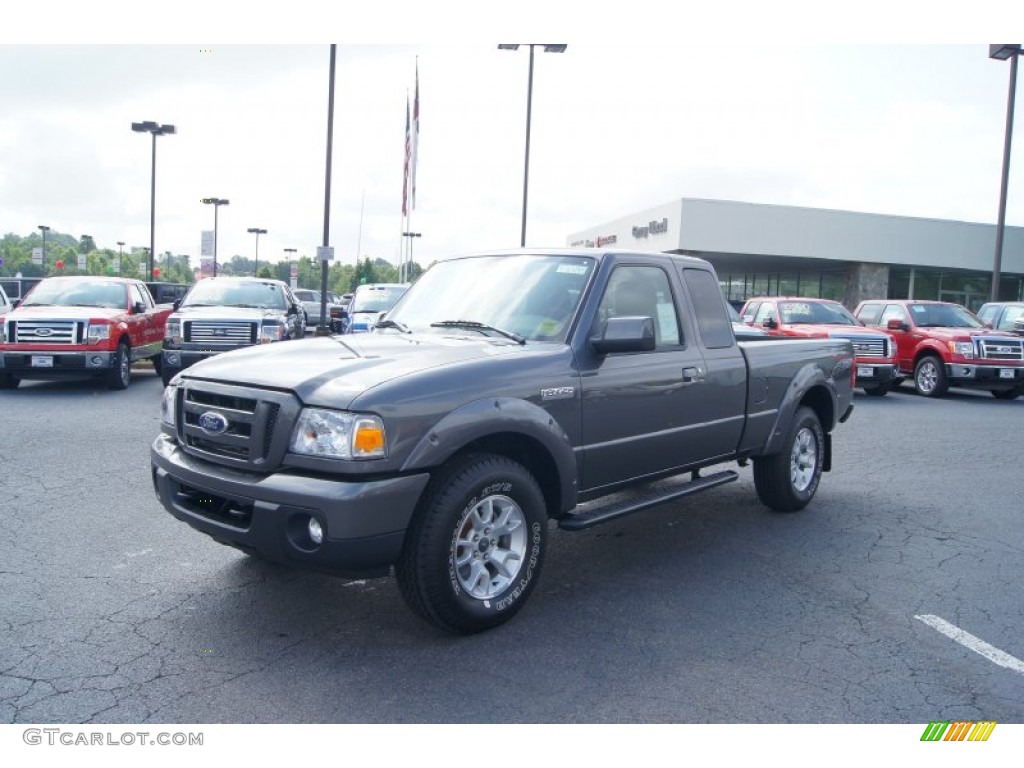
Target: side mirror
{"x": 897, "y": 325}
{"x": 770, "y": 323}
{"x": 176, "y": 304}
{"x": 138, "y": 308}
{"x": 988, "y": 324}
{"x": 625, "y": 334}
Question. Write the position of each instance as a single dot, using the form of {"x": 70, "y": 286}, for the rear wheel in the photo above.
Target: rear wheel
{"x": 120, "y": 374}
{"x": 9, "y": 381}
{"x": 786, "y": 481}
{"x": 877, "y": 390}
{"x": 930, "y": 377}
{"x": 474, "y": 550}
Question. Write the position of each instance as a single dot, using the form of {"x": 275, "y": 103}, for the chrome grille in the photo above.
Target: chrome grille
{"x": 48, "y": 331}
{"x": 256, "y": 424}
{"x": 1000, "y": 349}
{"x": 864, "y": 346}
{"x": 220, "y": 332}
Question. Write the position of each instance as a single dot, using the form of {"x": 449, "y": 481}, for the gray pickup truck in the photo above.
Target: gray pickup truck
{"x": 505, "y": 393}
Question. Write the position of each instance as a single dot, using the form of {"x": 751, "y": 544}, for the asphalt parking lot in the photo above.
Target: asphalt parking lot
{"x": 708, "y": 610}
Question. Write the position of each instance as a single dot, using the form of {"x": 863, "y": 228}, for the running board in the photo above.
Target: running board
{"x": 592, "y": 517}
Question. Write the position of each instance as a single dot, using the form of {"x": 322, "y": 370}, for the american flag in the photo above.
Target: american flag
{"x": 408, "y": 152}
{"x": 413, "y": 152}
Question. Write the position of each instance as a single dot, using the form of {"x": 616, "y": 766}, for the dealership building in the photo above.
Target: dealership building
{"x": 778, "y": 250}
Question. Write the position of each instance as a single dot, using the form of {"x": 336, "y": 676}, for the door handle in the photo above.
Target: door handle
{"x": 693, "y": 375}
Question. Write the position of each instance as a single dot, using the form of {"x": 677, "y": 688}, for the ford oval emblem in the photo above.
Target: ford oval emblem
{"x": 44, "y": 331}
{"x": 213, "y": 423}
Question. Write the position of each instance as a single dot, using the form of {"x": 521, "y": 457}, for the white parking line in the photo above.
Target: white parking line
{"x": 973, "y": 643}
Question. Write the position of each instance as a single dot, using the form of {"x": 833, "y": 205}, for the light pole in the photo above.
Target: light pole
{"x": 403, "y": 275}
{"x": 85, "y": 248}
{"x": 255, "y": 263}
{"x": 1003, "y": 52}
{"x": 156, "y": 130}
{"x": 44, "y": 230}
{"x": 548, "y": 48}
{"x": 120, "y": 255}
{"x": 289, "y": 257}
{"x": 216, "y": 202}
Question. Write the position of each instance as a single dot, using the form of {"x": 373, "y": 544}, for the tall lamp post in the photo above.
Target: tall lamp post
{"x": 1002, "y": 52}
{"x": 548, "y": 48}
{"x": 289, "y": 257}
{"x": 156, "y": 130}
{"x": 255, "y": 263}
{"x": 216, "y": 202}
{"x": 120, "y": 254}
{"x": 44, "y": 229}
{"x": 404, "y": 274}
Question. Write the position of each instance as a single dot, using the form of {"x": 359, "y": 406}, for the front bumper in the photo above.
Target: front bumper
{"x": 364, "y": 522}
{"x": 875, "y": 373}
{"x": 33, "y": 364}
{"x": 991, "y": 376}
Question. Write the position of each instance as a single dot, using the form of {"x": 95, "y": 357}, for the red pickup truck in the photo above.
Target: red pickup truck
{"x": 941, "y": 344}
{"x": 81, "y": 326}
{"x": 875, "y": 351}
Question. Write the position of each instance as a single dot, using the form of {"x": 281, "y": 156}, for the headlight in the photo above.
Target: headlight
{"x": 167, "y": 416}
{"x": 338, "y": 435}
{"x": 271, "y": 332}
{"x": 172, "y": 333}
{"x": 963, "y": 348}
{"x": 97, "y": 333}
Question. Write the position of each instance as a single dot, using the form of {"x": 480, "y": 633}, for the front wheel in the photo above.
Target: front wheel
{"x": 930, "y": 377}
{"x": 474, "y": 550}
{"x": 786, "y": 481}
{"x": 877, "y": 390}
{"x": 120, "y": 374}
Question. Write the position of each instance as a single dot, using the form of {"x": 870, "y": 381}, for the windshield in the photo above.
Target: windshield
{"x": 943, "y": 316}
{"x": 376, "y": 298}
{"x": 77, "y": 293}
{"x": 816, "y": 313}
{"x": 535, "y": 297}
{"x": 230, "y": 293}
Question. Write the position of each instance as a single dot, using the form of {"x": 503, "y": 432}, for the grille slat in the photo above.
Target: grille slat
{"x": 255, "y": 435}
{"x": 220, "y": 332}
{"x": 48, "y": 332}
{"x": 1001, "y": 349}
{"x": 870, "y": 346}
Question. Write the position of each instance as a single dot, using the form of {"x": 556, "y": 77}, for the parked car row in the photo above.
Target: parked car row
{"x": 935, "y": 344}
{"x": 94, "y": 325}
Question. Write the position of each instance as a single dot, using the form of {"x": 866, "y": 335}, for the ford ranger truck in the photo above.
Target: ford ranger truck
{"x": 504, "y": 393}
{"x": 221, "y": 314}
{"x": 942, "y": 345}
{"x": 874, "y": 350}
{"x": 80, "y": 326}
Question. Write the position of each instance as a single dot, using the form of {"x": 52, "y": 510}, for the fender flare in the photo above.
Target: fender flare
{"x": 807, "y": 378}
{"x": 480, "y": 419}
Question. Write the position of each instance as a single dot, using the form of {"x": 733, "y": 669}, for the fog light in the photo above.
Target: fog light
{"x": 173, "y": 359}
{"x": 97, "y": 360}
{"x": 316, "y": 533}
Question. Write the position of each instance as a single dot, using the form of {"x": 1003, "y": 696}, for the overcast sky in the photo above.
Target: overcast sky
{"x": 897, "y": 121}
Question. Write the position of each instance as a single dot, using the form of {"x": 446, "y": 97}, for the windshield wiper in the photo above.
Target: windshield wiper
{"x": 479, "y": 327}
{"x": 385, "y": 323}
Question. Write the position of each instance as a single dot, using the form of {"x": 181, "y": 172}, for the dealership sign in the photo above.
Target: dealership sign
{"x": 651, "y": 228}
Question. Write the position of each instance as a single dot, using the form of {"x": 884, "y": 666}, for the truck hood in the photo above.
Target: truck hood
{"x": 836, "y": 330}
{"x": 947, "y": 333}
{"x": 65, "y": 313}
{"x": 333, "y": 370}
{"x": 227, "y": 313}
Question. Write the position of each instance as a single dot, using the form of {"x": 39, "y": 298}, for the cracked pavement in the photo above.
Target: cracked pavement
{"x": 708, "y": 610}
